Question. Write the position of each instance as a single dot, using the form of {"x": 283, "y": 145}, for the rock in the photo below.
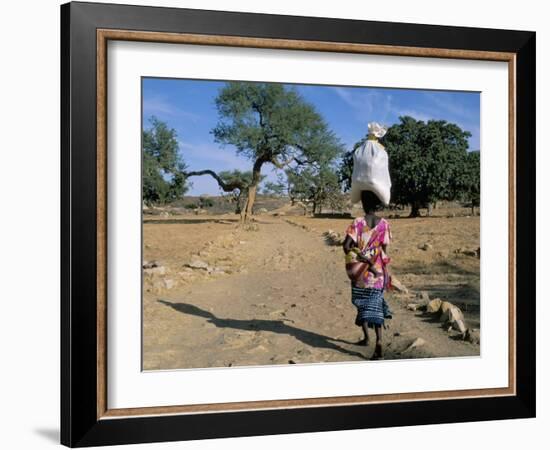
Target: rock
{"x": 157, "y": 270}
{"x": 262, "y": 210}
{"x": 426, "y": 247}
{"x": 280, "y": 213}
{"x": 451, "y": 314}
{"x": 164, "y": 214}
{"x": 168, "y": 283}
{"x": 470, "y": 252}
{"x": 150, "y": 264}
{"x": 200, "y": 211}
{"x": 398, "y": 286}
{"x": 423, "y": 297}
{"x": 433, "y": 306}
{"x": 418, "y": 342}
{"x": 291, "y": 361}
{"x": 478, "y": 252}
{"x": 332, "y": 237}
{"x": 242, "y": 242}
{"x": 472, "y": 335}
{"x": 459, "y": 326}
{"x": 198, "y": 264}
{"x": 412, "y": 306}
{"x": 397, "y": 333}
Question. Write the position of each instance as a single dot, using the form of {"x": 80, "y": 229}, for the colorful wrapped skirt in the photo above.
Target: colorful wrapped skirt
{"x": 371, "y": 306}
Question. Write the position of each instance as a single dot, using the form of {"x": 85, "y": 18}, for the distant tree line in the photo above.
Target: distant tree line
{"x": 429, "y": 162}
{"x": 272, "y": 124}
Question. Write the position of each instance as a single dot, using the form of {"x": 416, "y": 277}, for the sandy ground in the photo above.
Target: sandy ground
{"x": 276, "y": 292}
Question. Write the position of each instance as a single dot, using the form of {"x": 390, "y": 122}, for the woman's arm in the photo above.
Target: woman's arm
{"x": 349, "y": 243}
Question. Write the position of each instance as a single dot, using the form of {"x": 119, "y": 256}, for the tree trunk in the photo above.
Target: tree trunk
{"x": 415, "y": 209}
{"x": 246, "y": 213}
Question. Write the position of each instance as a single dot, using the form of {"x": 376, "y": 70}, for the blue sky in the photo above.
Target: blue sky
{"x": 188, "y": 107}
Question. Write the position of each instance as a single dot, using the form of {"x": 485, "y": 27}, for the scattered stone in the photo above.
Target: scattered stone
{"x": 468, "y": 252}
{"x": 150, "y": 264}
{"x": 433, "y": 306}
{"x": 291, "y": 361}
{"x": 398, "y": 286}
{"x": 293, "y": 305}
{"x": 332, "y": 237}
{"x": 452, "y": 315}
{"x": 423, "y": 297}
{"x": 262, "y": 211}
{"x": 198, "y": 264}
{"x": 412, "y": 306}
{"x": 418, "y": 342}
{"x": 472, "y": 335}
{"x": 426, "y": 247}
{"x": 280, "y": 213}
{"x": 397, "y": 333}
{"x": 168, "y": 283}
{"x": 200, "y": 211}
{"x": 157, "y": 270}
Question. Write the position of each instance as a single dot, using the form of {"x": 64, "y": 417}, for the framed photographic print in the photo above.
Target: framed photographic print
{"x": 277, "y": 224}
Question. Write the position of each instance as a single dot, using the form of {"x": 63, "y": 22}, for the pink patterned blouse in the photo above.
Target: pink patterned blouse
{"x": 369, "y": 243}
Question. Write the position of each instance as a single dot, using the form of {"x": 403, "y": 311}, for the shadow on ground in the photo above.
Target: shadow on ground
{"x": 176, "y": 221}
{"x": 274, "y": 326}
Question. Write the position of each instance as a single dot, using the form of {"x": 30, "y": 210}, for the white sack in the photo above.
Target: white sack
{"x": 371, "y": 171}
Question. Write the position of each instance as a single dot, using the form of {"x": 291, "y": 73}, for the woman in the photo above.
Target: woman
{"x": 365, "y": 247}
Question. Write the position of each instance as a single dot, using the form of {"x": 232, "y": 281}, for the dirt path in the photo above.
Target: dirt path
{"x": 276, "y": 294}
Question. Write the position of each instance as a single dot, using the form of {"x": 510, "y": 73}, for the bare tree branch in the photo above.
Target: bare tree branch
{"x": 226, "y": 187}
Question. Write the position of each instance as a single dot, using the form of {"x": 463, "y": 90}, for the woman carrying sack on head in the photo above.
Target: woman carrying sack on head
{"x": 368, "y": 237}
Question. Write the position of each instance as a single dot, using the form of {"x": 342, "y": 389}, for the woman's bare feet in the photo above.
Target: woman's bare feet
{"x": 377, "y": 352}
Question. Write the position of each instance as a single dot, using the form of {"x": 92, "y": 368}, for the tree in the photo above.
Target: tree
{"x": 163, "y": 168}
{"x": 275, "y": 188}
{"x": 471, "y": 179}
{"x": 427, "y": 160}
{"x": 271, "y": 124}
{"x": 318, "y": 186}
{"x": 237, "y": 178}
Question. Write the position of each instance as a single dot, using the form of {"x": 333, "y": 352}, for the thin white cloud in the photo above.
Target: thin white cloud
{"x": 211, "y": 156}
{"x": 157, "y": 105}
{"x": 368, "y": 105}
{"x": 446, "y": 104}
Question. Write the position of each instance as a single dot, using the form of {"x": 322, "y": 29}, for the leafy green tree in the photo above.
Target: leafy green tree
{"x": 275, "y": 188}
{"x": 471, "y": 179}
{"x": 271, "y": 124}
{"x": 237, "y": 178}
{"x": 427, "y": 160}
{"x": 163, "y": 168}
{"x": 318, "y": 186}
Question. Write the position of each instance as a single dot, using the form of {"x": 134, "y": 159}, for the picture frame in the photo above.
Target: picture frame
{"x": 86, "y": 419}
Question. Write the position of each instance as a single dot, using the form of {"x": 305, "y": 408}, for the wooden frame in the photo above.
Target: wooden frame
{"x": 86, "y": 418}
